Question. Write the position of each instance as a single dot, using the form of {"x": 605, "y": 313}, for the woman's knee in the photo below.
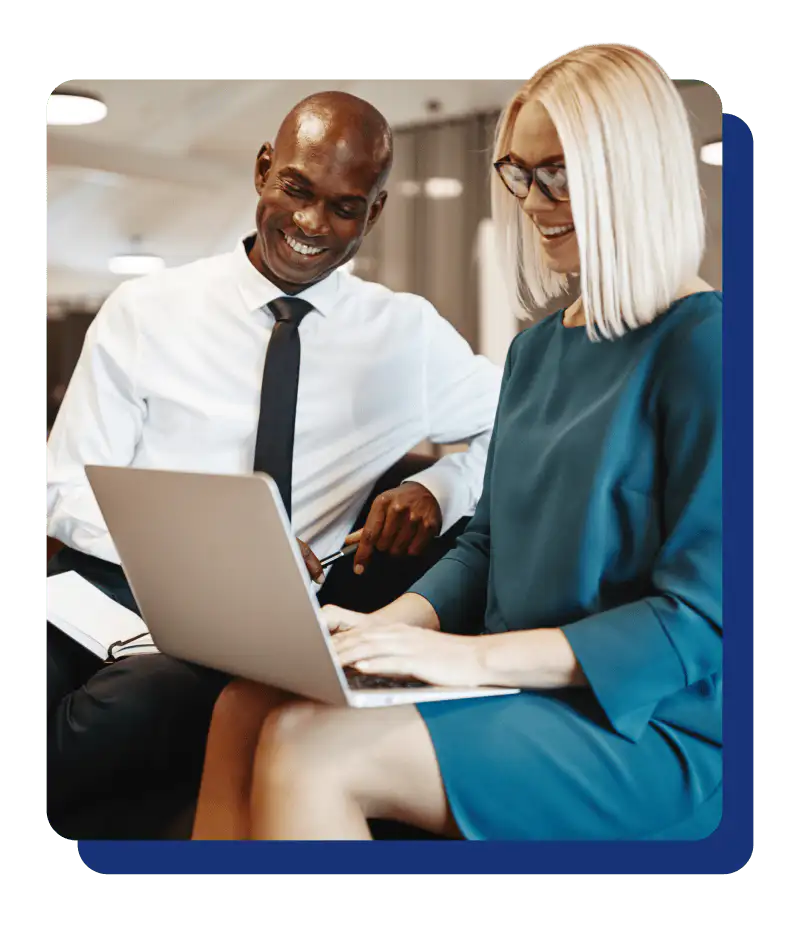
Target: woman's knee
{"x": 293, "y": 744}
{"x": 384, "y": 762}
{"x": 303, "y": 744}
{"x": 242, "y": 704}
{"x": 290, "y": 725}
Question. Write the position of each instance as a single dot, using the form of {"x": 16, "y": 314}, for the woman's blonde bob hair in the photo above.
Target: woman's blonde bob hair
{"x": 634, "y": 189}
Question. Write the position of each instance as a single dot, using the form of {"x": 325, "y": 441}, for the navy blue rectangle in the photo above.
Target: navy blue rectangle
{"x": 730, "y": 846}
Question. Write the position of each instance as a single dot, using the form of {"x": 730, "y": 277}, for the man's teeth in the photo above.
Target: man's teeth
{"x": 302, "y": 248}
{"x": 556, "y": 230}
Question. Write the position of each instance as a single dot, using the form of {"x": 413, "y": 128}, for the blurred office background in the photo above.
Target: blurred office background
{"x": 168, "y": 173}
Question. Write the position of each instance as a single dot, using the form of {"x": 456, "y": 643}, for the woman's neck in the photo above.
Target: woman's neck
{"x": 574, "y": 316}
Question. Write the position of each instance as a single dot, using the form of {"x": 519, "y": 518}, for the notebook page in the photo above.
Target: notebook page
{"x": 84, "y": 613}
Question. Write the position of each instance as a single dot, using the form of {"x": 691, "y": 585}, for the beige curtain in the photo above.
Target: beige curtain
{"x": 425, "y": 242}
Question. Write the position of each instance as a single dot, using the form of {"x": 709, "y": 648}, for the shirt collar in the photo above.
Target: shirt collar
{"x": 257, "y": 290}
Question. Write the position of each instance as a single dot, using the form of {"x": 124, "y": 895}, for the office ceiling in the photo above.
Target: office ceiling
{"x": 172, "y": 162}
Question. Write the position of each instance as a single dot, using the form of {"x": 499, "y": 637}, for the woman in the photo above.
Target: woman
{"x": 590, "y": 576}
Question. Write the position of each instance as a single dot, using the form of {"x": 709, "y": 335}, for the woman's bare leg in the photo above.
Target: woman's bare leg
{"x": 321, "y": 772}
{"x": 223, "y": 803}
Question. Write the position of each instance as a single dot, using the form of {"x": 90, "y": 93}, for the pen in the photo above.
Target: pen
{"x": 345, "y": 551}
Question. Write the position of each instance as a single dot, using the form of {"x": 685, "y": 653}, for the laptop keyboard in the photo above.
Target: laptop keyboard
{"x": 359, "y": 682}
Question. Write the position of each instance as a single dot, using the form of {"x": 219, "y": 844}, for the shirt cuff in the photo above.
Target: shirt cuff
{"x": 84, "y": 538}
{"x": 629, "y": 662}
{"x": 449, "y": 492}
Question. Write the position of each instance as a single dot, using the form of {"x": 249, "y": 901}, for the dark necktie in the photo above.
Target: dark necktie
{"x": 275, "y": 435}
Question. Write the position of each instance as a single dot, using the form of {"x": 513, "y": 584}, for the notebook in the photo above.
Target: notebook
{"x": 94, "y": 620}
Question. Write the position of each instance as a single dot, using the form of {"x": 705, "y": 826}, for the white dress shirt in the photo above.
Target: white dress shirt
{"x": 170, "y": 378}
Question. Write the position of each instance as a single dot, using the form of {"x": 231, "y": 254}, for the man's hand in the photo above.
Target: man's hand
{"x": 313, "y": 566}
{"x": 401, "y": 522}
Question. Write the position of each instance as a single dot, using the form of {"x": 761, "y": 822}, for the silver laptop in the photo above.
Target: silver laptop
{"x": 220, "y": 581}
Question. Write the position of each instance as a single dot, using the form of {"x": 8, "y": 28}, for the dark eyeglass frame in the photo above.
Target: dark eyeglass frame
{"x": 532, "y": 175}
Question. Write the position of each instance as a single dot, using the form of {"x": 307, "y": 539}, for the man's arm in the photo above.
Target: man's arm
{"x": 462, "y": 391}
{"x": 461, "y": 394}
{"x": 100, "y": 421}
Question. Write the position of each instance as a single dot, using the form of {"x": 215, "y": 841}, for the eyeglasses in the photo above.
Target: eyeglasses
{"x": 551, "y": 179}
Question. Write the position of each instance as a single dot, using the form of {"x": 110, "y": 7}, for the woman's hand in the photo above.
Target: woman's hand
{"x": 398, "y": 649}
{"x": 407, "y": 609}
{"x": 339, "y": 619}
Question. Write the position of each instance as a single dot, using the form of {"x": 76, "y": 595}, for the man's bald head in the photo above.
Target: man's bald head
{"x": 346, "y": 123}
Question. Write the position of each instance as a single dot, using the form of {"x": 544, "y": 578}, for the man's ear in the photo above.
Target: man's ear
{"x": 263, "y": 164}
{"x": 376, "y": 210}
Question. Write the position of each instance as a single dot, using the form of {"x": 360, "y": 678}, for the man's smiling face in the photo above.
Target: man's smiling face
{"x": 320, "y": 192}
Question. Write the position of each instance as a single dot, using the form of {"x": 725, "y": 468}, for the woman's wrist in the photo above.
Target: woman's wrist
{"x": 539, "y": 659}
{"x": 409, "y": 609}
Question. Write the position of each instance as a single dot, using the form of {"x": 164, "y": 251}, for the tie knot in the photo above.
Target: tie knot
{"x": 289, "y": 309}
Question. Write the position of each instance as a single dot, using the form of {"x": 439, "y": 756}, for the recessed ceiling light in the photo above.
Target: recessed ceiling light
{"x": 410, "y": 188}
{"x": 443, "y": 187}
{"x": 135, "y": 264}
{"x": 74, "y": 107}
{"x": 712, "y": 154}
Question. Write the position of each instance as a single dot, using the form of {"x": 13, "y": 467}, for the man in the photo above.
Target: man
{"x": 264, "y": 358}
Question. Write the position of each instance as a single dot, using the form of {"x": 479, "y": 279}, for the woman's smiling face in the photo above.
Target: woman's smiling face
{"x": 535, "y": 144}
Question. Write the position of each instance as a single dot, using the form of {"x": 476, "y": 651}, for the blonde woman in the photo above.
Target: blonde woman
{"x": 590, "y": 576}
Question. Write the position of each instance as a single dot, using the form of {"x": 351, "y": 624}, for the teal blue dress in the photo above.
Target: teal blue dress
{"x": 601, "y": 514}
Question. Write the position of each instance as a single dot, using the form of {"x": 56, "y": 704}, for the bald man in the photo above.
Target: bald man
{"x": 178, "y": 372}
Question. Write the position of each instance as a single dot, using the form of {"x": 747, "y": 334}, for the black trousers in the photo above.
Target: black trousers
{"x": 126, "y": 742}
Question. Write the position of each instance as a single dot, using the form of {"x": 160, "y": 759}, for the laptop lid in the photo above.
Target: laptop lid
{"x": 218, "y": 575}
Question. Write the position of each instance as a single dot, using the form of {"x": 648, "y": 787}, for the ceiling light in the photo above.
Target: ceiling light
{"x": 712, "y": 153}
{"x": 74, "y": 107}
{"x": 443, "y": 188}
{"x": 410, "y": 188}
{"x": 135, "y": 264}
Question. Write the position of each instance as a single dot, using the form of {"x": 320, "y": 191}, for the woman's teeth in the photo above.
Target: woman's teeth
{"x": 555, "y": 231}
{"x": 302, "y": 248}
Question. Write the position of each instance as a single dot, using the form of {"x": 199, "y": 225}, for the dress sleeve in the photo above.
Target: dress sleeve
{"x": 456, "y": 586}
{"x": 636, "y": 655}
